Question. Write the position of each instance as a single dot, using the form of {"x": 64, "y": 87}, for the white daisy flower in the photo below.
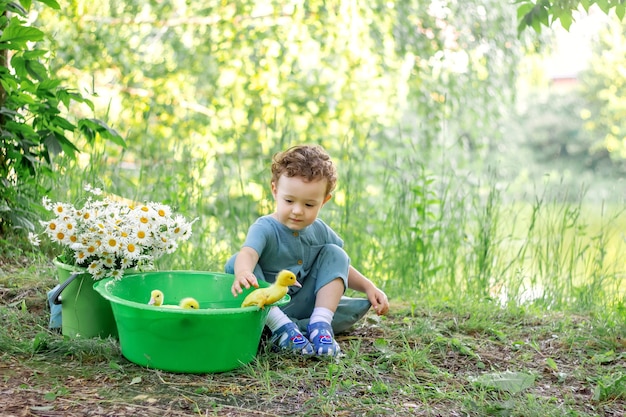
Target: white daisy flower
{"x": 108, "y": 236}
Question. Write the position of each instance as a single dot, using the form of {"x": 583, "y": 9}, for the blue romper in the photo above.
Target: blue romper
{"x": 315, "y": 254}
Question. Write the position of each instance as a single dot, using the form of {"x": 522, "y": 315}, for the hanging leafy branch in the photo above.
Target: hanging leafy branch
{"x": 535, "y": 13}
{"x": 33, "y": 127}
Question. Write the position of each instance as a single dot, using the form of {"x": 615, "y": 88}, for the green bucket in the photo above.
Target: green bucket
{"x": 84, "y": 312}
{"x": 218, "y": 337}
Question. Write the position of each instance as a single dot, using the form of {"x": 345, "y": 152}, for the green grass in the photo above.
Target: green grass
{"x": 501, "y": 305}
{"x": 435, "y": 358}
{"x": 419, "y": 232}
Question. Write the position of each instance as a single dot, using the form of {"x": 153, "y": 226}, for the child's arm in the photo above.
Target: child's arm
{"x": 245, "y": 262}
{"x": 358, "y": 282}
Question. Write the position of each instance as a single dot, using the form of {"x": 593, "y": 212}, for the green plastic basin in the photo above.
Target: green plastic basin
{"x": 218, "y": 337}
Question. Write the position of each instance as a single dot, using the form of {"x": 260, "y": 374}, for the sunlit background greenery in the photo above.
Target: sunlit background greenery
{"x": 464, "y": 171}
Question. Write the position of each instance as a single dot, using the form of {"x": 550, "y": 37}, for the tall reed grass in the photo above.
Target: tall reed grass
{"x": 418, "y": 232}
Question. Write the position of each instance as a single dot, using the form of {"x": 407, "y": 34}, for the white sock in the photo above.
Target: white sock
{"x": 321, "y": 314}
{"x": 276, "y": 318}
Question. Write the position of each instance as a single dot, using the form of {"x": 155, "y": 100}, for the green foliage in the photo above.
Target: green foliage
{"x": 610, "y": 387}
{"x": 535, "y": 13}
{"x": 32, "y": 119}
{"x": 411, "y": 102}
{"x": 604, "y": 88}
{"x": 557, "y": 134}
{"x": 207, "y": 92}
{"x": 586, "y": 123}
{"x": 249, "y": 79}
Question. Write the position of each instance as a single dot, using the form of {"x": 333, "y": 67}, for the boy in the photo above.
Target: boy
{"x": 293, "y": 238}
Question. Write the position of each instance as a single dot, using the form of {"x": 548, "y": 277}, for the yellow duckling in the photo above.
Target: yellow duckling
{"x": 264, "y": 296}
{"x": 189, "y": 303}
{"x": 156, "y": 299}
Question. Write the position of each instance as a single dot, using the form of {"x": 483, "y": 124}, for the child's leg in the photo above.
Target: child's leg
{"x": 319, "y": 297}
{"x": 329, "y": 295}
{"x": 332, "y": 261}
{"x": 319, "y": 330}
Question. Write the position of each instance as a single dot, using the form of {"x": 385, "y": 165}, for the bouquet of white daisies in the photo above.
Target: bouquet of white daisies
{"x": 108, "y": 235}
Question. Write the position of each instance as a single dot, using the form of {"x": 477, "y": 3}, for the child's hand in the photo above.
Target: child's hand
{"x": 243, "y": 280}
{"x": 379, "y": 301}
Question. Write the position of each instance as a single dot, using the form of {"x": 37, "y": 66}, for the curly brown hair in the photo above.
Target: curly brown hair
{"x": 310, "y": 162}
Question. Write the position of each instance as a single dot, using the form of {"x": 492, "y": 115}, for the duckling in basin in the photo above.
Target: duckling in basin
{"x": 157, "y": 297}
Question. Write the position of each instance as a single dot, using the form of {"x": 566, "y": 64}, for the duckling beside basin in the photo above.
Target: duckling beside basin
{"x": 264, "y": 296}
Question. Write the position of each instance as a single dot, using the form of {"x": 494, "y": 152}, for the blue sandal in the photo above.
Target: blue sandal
{"x": 322, "y": 338}
{"x": 288, "y": 337}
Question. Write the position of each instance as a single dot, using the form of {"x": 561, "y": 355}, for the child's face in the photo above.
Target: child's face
{"x": 297, "y": 201}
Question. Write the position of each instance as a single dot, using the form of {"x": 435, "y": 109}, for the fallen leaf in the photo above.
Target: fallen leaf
{"x": 512, "y": 382}
{"x": 381, "y": 345}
